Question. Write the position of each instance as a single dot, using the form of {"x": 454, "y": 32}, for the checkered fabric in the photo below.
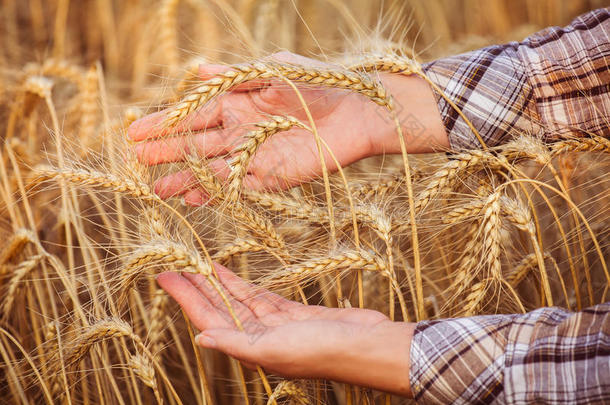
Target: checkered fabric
{"x": 554, "y": 84}
{"x": 548, "y": 356}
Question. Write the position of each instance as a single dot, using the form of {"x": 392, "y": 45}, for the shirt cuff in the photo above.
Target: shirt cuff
{"x": 459, "y": 360}
{"x": 491, "y": 89}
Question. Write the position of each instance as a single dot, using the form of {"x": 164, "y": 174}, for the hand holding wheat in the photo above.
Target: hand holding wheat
{"x": 358, "y": 346}
{"x": 349, "y": 125}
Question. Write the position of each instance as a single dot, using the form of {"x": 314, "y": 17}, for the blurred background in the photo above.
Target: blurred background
{"x": 135, "y": 39}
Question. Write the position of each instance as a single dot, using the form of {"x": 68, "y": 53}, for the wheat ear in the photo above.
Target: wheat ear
{"x": 351, "y": 260}
{"x": 254, "y": 140}
{"x": 237, "y": 247}
{"x": 260, "y": 225}
{"x": 89, "y": 109}
{"x": 168, "y": 41}
{"x": 288, "y": 207}
{"x": 16, "y": 244}
{"x": 470, "y": 209}
{"x": 14, "y": 283}
{"x": 379, "y": 189}
{"x": 239, "y": 74}
{"x": 157, "y": 320}
{"x": 144, "y": 370}
{"x": 98, "y": 179}
{"x": 491, "y": 234}
{"x": 409, "y": 66}
{"x": 290, "y": 390}
{"x": 592, "y": 144}
{"x": 58, "y": 68}
{"x": 166, "y": 253}
{"x": 474, "y": 298}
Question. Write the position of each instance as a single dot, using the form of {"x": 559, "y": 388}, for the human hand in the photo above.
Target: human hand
{"x": 346, "y": 121}
{"x": 356, "y": 346}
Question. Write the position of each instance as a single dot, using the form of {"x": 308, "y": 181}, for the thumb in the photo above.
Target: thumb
{"x": 230, "y": 341}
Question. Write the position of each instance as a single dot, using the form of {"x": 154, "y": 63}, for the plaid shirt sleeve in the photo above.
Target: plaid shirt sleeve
{"x": 548, "y": 85}
{"x": 548, "y": 356}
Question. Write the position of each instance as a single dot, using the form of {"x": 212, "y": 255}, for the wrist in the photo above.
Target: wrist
{"x": 378, "y": 358}
{"x": 416, "y": 109}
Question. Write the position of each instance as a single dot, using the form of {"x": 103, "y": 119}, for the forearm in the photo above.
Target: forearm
{"x": 378, "y": 358}
{"x": 417, "y": 111}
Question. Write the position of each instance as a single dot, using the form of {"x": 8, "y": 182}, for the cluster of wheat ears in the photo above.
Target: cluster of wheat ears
{"x": 496, "y": 230}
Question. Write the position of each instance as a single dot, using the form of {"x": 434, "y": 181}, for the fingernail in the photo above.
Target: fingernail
{"x": 205, "y": 340}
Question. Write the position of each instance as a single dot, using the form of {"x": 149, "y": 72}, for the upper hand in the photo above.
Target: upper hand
{"x": 345, "y": 121}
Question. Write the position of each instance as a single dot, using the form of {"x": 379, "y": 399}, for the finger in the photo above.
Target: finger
{"x": 203, "y": 285}
{"x": 220, "y": 168}
{"x": 196, "y": 198}
{"x": 213, "y": 142}
{"x": 259, "y": 300}
{"x": 235, "y": 343}
{"x": 198, "y": 308}
{"x": 209, "y": 71}
{"x": 175, "y": 184}
{"x": 152, "y": 126}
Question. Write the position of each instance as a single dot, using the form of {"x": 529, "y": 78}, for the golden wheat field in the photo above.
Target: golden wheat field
{"x": 503, "y": 230}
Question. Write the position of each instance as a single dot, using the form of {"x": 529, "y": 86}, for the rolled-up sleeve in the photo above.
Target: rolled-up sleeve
{"x": 548, "y": 356}
{"x": 553, "y": 84}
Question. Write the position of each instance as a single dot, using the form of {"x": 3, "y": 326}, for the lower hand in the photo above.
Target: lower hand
{"x": 356, "y": 346}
